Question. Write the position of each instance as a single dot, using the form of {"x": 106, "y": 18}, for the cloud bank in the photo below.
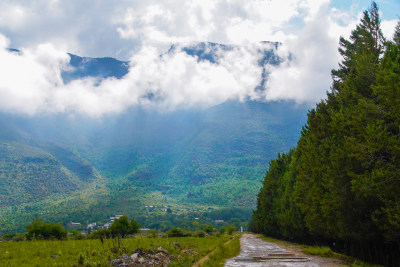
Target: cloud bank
{"x": 168, "y": 82}
{"x": 118, "y": 28}
{"x": 31, "y": 81}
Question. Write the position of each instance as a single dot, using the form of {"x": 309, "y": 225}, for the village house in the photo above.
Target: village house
{"x": 91, "y": 226}
{"x": 74, "y": 224}
{"x": 144, "y": 230}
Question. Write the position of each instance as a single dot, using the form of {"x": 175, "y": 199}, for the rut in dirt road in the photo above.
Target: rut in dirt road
{"x": 257, "y": 252}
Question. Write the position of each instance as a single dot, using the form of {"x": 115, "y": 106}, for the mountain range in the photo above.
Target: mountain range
{"x": 64, "y": 167}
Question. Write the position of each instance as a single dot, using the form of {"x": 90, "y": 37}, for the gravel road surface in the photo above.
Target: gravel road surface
{"x": 257, "y": 252}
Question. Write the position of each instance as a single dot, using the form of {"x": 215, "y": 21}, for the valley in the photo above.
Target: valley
{"x": 70, "y": 167}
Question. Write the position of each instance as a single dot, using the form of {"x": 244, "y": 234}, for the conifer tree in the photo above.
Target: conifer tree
{"x": 342, "y": 182}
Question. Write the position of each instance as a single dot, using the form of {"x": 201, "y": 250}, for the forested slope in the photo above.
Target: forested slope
{"x": 68, "y": 166}
{"x": 341, "y": 184}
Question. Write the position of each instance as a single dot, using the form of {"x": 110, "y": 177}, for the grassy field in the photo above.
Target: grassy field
{"x": 94, "y": 253}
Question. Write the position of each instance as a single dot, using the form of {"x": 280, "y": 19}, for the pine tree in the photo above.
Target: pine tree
{"x": 342, "y": 182}
{"x": 364, "y": 47}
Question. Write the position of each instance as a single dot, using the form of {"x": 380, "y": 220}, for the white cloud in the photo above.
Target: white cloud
{"x": 45, "y": 31}
{"x": 28, "y": 80}
{"x": 110, "y": 28}
{"x": 388, "y": 27}
{"x": 305, "y": 74}
{"x": 174, "y": 80}
{"x": 306, "y": 77}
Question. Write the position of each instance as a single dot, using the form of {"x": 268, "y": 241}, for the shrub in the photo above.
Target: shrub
{"x": 7, "y": 237}
{"x": 43, "y": 230}
{"x": 77, "y": 235}
{"x": 318, "y": 251}
{"x": 19, "y": 237}
{"x": 199, "y": 233}
{"x": 100, "y": 233}
{"x": 208, "y": 229}
{"x": 230, "y": 229}
{"x": 176, "y": 232}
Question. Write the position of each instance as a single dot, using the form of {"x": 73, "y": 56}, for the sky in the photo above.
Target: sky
{"x": 140, "y": 31}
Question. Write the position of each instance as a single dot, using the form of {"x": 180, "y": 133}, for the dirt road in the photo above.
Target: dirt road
{"x": 257, "y": 252}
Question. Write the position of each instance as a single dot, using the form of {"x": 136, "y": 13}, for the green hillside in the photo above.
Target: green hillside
{"x": 61, "y": 168}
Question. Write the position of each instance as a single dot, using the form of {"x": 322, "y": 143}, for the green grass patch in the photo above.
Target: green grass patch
{"x": 94, "y": 253}
{"x": 319, "y": 251}
{"x": 358, "y": 263}
{"x": 223, "y": 252}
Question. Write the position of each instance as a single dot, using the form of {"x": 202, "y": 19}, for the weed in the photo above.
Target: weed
{"x": 319, "y": 251}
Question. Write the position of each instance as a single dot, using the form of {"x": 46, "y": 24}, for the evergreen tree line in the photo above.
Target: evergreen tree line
{"x": 341, "y": 185}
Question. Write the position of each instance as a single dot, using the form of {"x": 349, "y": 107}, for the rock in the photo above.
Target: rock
{"x": 117, "y": 262}
{"x": 55, "y": 256}
{"x": 144, "y": 258}
{"x": 160, "y": 249}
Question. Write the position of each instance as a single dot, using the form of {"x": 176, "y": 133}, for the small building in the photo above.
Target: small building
{"x": 74, "y": 224}
{"x": 219, "y": 221}
{"x": 144, "y": 230}
{"x": 91, "y": 225}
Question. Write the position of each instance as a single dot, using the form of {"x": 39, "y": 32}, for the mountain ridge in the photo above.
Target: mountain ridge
{"x": 192, "y": 159}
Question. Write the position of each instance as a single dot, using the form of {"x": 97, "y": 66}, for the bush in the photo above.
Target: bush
{"x": 77, "y": 235}
{"x": 199, "y": 233}
{"x": 230, "y": 229}
{"x": 42, "y": 230}
{"x": 176, "y": 232}
{"x": 19, "y": 237}
{"x": 7, "y": 237}
{"x": 100, "y": 233}
{"x": 208, "y": 229}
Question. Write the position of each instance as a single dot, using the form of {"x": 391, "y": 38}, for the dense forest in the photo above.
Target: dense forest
{"x": 341, "y": 185}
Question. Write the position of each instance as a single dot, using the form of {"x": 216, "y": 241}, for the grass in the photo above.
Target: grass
{"x": 223, "y": 252}
{"x": 319, "y": 251}
{"x": 358, "y": 263}
{"x": 94, "y": 253}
